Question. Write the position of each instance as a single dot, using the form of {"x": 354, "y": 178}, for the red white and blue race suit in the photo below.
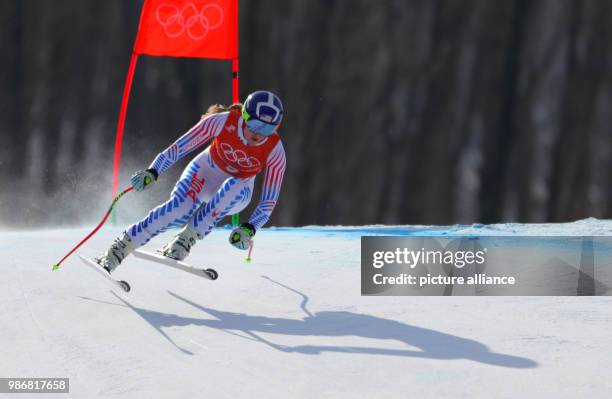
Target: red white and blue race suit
{"x": 217, "y": 182}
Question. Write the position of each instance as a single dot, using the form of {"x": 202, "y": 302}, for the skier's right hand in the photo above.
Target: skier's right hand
{"x": 143, "y": 179}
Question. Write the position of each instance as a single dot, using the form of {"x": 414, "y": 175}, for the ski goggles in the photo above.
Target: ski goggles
{"x": 257, "y": 126}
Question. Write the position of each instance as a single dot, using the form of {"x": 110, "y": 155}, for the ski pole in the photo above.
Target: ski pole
{"x": 251, "y": 245}
{"x": 57, "y": 265}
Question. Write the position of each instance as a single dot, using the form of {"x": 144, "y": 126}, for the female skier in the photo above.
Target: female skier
{"x": 217, "y": 182}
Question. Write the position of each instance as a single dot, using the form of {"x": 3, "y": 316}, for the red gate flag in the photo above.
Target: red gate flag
{"x": 181, "y": 28}
{"x": 189, "y": 28}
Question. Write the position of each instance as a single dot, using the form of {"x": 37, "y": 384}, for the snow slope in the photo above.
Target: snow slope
{"x": 292, "y": 324}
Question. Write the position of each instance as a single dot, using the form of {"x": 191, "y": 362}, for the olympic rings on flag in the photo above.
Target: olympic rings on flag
{"x": 196, "y": 24}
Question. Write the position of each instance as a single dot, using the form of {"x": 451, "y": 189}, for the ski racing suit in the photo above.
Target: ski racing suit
{"x": 218, "y": 181}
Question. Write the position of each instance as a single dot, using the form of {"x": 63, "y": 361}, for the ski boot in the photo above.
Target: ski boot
{"x": 181, "y": 244}
{"x": 121, "y": 247}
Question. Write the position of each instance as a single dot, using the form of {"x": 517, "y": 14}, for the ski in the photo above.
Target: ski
{"x": 210, "y": 274}
{"x": 123, "y": 285}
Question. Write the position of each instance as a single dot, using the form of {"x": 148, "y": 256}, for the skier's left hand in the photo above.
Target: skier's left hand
{"x": 242, "y": 235}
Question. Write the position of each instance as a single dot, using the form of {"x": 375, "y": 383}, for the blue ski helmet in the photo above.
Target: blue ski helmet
{"x": 262, "y": 112}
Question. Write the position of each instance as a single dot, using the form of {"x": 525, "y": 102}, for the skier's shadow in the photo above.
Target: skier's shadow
{"x": 421, "y": 342}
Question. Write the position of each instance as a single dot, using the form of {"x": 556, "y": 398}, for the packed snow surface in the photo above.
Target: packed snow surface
{"x": 291, "y": 324}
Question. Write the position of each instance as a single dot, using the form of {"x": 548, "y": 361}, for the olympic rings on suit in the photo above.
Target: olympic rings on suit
{"x": 238, "y": 157}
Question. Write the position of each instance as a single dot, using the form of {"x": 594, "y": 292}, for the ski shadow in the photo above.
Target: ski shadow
{"x": 421, "y": 342}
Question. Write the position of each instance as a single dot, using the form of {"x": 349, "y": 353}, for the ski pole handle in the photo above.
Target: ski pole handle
{"x": 121, "y": 194}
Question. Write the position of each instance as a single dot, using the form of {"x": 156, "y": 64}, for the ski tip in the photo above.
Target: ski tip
{"x": 55, "y": 266}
